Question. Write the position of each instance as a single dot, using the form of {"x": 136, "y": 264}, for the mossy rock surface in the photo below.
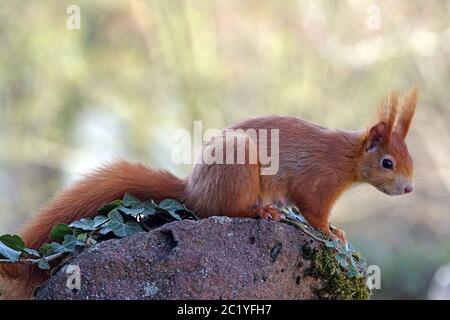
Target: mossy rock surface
{"x": 214, "y": 258}
{"x": 336, "y": 285}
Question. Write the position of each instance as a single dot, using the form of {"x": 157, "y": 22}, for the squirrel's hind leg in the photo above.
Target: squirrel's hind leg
{"x": 226, "y": 189}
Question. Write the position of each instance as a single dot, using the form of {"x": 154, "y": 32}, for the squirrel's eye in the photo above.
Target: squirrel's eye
{"x": 387, "y": 164}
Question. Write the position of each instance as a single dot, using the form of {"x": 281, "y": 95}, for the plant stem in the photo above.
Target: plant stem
{"x": 302, "y": 227}
{"x": 32, "y": 261}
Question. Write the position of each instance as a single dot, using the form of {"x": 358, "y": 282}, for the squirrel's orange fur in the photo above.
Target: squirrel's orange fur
{"x": 316, "y": 165}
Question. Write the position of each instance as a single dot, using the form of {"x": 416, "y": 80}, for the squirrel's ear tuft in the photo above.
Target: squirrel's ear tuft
{"x": 408, "y": 107}
{"x": 376, "y": 136}
{"x": 387, "y": 113}
{"x": 381, "y": 132}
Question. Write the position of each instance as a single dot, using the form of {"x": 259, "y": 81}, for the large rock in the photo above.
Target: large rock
{"x": 215, "y": 258}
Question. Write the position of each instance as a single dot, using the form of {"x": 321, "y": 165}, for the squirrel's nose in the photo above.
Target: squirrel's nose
{"x": 408, "y": 189}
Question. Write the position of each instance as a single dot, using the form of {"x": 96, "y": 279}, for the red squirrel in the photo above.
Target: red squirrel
{"x": 316, "y": 165}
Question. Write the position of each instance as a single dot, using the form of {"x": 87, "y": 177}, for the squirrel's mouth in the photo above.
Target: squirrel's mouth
{"x": 389, "y": 192}
{"x": 397, "y": 189}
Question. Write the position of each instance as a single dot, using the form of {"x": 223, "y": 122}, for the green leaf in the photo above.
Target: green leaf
{"x": 149, "y": 209}
{"x": 32, "y": 252}
{"x": 356, "y": 255}
{"x": 105, "y": 229}
{"x": 121, "y": 228}
{"x": 351, "y": 248}
{"x": 292, "y": 214}
{"x": 84, "y": 224}
{"x": 81, "y": 238}
{"x": 130, "y": 201}
{"x": 7, "y": 253}
{"x": 13, "y": 241}
{"x": 59, "y": 231}
{"x": 132, "y": 227}
{"x": 109, "y": 207}
{"x": 176, "y": 216}
{"x": 171, "y": 205}
{"x": 342, "y": 259}
{"x": 332, "y": 244}
{"x": 46, "y": 249}
{"x": 190, "y": 213}
{"x": 43, "y": 264}
{"x": 134, "y": 211}
{"x": 70, "y": 242}
{"x": 68, "y": 245}
{"x": 115, "y": 217}
{"x": 352, "y": 273}
{"x": 363, "y": 264}
{"x": 99, "y": 220}
{"x": 57, "y": 247}
{"x": 353, "y": 261}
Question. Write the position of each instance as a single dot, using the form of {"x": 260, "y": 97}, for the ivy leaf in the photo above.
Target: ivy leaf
{"x": 292, "y": 214}
{"x": 176, "y": 216}
{"x": 109, "y": 207}
{"x": 332, "y": 244}
{"x": 46, "y": 249}
{"x": 357, "y": 256}
{"x": 13, "y": 241}
{"x": 43, "y": 264}
{"x": 7, "y": 253}
{"x": 130, "y": 201}
{"x": 190, "y": 214}
{"x": 84, "y": 224}
{"x": 353, "y": 262}
{"x": 59, "y": 231}
{"x": 149, "y": 209}
{"x": 133, "y": 227}
{"x": 99, "y": 220}
{"x": 171, "y": 205}
{"x": 32, "y": 252}
{"x": 134, "y": 211}
{"x": 351, "y": 248}
{"x": 105, "y": 229}
{"x": 352, "y": 273}
{"x": 68, "y": 245}
{"x": 69, "y": 242}
{"x": 363, "y": 264}
{"x": 342, "y": 259}
{"x": 81, "y": 238}
{"x": 121, "y": 228}
{"x": 57, "y": 247}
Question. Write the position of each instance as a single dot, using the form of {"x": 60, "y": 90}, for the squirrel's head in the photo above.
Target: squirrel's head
{"x": 386, "y": 162}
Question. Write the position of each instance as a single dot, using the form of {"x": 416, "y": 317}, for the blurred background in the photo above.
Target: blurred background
{"x": 117, "y": 87}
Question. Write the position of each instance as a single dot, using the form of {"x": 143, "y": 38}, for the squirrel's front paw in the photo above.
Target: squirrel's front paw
{"x": 338, "y": 234}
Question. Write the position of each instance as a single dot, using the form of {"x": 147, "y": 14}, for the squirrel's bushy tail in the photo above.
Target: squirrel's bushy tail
{"x": 82, "y": 200}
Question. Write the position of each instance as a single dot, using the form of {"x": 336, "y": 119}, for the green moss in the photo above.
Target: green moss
{"x": 336, "y": 284}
